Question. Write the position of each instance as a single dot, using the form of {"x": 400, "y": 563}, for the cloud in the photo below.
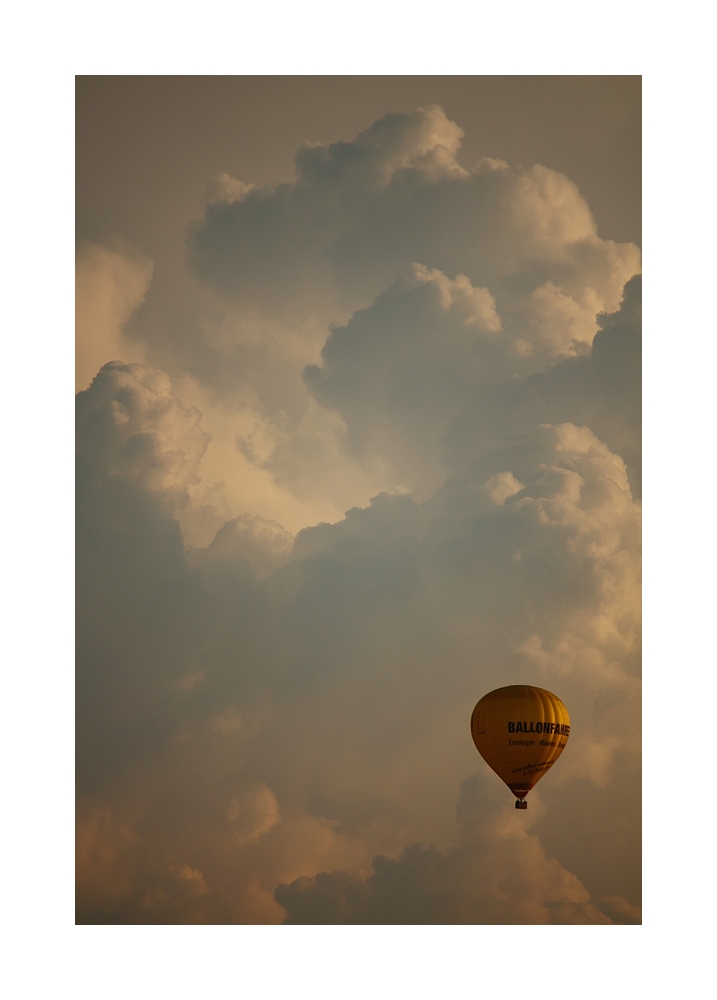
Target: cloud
{"x": 111, "y": 284}
{"x": 621, "y": 910}
{"x": 499, "y": 874}
{"x": 430, "y": 372}
{"x": 443, "y": 290}
{"x": 137, "y": 453}
{"x": 601, "y": 390}
{"x": 358, "y": 212}
{"x": 532, "y": 557}
{"x": 265, "y": 545}
{"x": 367, "y": 232}
{"x": 214, "y": 683}
{"x": 130, "y": 425}
{"x": 116, "y": 884}
{"x": 414, "y": 478}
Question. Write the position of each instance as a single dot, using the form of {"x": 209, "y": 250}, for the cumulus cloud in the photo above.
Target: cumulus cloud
{"x": 263, "y": 544}
{"x": 601, "y": 390}
{"x": 130, "y": 425}
{"x": 259, "y": 655}
{"x": 359, "y": 211}
{"x": 499, "y": 874}
{"x": 621, "y": 910}
{"x": 273, "y": 722}
{"x": 531, "y": 559}
{"x": 111, "y": 284}
{"x": 117, "y": 883}
{"x": 444, "y": 289}
{"x": 428, "y": 373}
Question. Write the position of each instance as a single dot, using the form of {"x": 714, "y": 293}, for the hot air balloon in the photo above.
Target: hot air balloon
{"x": 520, "y": 731}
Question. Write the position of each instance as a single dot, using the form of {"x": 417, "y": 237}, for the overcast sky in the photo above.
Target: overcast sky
{"x": 358, "y": 441}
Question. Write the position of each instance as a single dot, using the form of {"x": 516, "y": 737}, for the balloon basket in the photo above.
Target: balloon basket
{"x": 521, "y": 804}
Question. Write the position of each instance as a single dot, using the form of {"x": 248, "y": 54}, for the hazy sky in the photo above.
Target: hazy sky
{"x": 365, "y": 445}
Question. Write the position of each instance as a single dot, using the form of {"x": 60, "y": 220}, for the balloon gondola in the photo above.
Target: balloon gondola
{"x": 520, "y": 731}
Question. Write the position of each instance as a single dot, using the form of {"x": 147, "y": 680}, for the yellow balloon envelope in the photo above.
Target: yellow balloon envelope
{"x": 520, "y": 731}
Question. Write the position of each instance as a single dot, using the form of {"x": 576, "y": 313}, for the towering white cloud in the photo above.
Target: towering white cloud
{"x": 465, "y": 280}
{"x": 358, "y": 212}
